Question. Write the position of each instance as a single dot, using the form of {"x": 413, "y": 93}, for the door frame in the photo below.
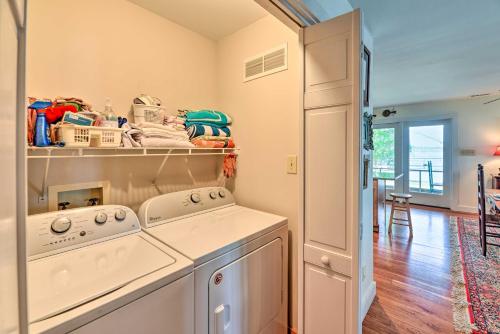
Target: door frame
{"x": 453, "y": 119}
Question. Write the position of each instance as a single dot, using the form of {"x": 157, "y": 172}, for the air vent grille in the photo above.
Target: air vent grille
{"x": 270, "y": 62}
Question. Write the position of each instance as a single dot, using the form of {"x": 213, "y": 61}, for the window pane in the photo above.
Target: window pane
{"x": 426, "y": 159}
{"x": 384, "y": 154}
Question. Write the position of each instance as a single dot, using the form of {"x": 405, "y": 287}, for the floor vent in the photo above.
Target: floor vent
{"x": 269, "y": 62}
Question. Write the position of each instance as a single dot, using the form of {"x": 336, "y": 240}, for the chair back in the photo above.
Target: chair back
{"x": 480, "y": 195}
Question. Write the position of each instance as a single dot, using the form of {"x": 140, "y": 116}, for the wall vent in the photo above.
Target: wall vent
{"x": 269, "y": 62}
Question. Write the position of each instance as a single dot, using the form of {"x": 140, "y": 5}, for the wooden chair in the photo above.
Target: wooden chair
{"x": 401, "y": 203}
{"x": 488, "y": 223}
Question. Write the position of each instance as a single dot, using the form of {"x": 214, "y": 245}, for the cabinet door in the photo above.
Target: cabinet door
{"x": 326, "y": 298}
{"x": 332, "y": 164}
{"x": 332, "y": 141}
{"x": 9, "y": 322}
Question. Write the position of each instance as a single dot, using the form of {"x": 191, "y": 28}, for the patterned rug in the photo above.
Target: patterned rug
{"x": 476, "y": 280}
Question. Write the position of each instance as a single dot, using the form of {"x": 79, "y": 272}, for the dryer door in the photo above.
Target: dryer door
{"x": 246, "y": 296}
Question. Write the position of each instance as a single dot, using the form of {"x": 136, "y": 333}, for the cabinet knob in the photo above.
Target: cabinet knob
{"x": 325, "y": 260}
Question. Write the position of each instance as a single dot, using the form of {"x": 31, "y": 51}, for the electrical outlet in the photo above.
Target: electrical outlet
{"x": 291, "y": 164}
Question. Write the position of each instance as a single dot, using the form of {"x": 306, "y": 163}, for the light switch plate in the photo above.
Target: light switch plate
{"x": 291, "y": 164}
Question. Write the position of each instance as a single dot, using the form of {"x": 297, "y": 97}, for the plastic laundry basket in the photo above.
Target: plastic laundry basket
{"x": 88, "y": 136}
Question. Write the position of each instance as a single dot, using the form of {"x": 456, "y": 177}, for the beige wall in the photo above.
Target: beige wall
{"x": 96, "y": 49}
{"x": 266, "y": 126}
{"x": 477, "y": 127}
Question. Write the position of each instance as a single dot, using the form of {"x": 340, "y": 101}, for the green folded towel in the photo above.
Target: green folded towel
{"x": 207, "y": 117}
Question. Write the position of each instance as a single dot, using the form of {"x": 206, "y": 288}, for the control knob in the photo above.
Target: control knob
{"x": 101, "y": 218}
{"x": 120, "y": 214}
{"x": 213, "y": 195}
{"x": 60, "y": 225}
{"x": 195, "y": 198}
{"x": 222, "y": 194}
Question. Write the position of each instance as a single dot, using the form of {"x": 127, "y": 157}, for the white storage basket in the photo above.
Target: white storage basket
{"x": 88, "y": 136}
{"x": 148, "y": 113}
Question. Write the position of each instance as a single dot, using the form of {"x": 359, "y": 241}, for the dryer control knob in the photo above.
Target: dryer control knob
{"x": 120, "y": 214}
{"x": 195, "y": 198}
{"x": 101, "y": 218}
{"x": 60, "y": 225}
{"x": 222, "y": 193}
{"x": 213, "y": 195}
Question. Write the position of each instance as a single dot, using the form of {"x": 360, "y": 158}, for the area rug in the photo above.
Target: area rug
{"x": 476, "y": 281}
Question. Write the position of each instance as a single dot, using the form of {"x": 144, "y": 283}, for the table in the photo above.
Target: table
{"x": 492, "y": 202}
{"x": 380, "y": 195}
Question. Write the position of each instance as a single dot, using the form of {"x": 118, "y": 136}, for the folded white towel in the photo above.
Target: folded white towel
{"x": 164, "y": 142}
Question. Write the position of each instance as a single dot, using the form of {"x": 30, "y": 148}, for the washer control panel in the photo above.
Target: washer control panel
{"x": 173, "y": 206}
{"x": 53, "y": 232}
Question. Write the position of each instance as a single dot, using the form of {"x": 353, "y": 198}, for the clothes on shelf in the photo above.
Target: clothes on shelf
{"x": 77, "y": 102}
{"x": 154, "y": 135}
{"x": 197, "y": 130}
{"x": 213, "y": 142}
{"x": 202, "y": 128}
{"x": 175, "y": 121}
{"x": 207, "y": 117}
{"x": 209, "y": 129}
{"x": 54, "y": 111}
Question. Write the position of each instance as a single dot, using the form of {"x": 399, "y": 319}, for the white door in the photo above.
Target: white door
{"x": 11, "y": 282}
{"x": 427, "y": 162}
{"x": 332, "y": 149}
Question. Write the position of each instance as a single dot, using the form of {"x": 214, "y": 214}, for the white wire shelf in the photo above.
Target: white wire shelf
{"x": 50, "y": 153}
{"x": 102, "y": 152}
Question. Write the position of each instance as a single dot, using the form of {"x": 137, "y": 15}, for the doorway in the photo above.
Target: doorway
{"x": 420, "y": 151}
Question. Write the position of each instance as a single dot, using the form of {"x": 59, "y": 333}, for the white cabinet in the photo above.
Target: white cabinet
{"x": 327, "y": 298}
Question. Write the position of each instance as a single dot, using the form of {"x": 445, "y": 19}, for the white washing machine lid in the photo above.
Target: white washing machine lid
{"x": 208, "y": 235}
{"x": 64, "y": 281}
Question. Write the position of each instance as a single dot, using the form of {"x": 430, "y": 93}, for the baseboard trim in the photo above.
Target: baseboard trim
{"x": 465, "y": 209}
{"x": 368, "y": 298}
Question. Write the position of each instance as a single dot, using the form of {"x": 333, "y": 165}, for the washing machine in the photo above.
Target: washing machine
{"x": 240, "y": 258}
{"x": 92, "y": 270}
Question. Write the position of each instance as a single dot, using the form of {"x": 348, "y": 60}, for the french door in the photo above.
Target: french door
{"x": 427, "y": 162}
{"x": 420, "y": 151}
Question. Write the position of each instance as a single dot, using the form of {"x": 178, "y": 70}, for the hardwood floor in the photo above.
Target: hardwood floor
{"x": 413, "y": 276}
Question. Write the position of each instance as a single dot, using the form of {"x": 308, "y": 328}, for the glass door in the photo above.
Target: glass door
{"x": 427, "y": 162}
{"x": 387, "y": 155}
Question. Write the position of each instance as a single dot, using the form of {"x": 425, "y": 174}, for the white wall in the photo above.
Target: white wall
{"x": 96, "y": 49}
{"x": 266, "y": 126}
{"x": 477, "y": 127}
{"x": 366, "y": 248}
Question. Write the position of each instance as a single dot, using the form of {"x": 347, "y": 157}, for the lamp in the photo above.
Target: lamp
{"x": 497, "y": 151}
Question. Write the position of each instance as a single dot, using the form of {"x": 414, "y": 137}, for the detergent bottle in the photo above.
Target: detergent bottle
{"x": 41, "y": 130}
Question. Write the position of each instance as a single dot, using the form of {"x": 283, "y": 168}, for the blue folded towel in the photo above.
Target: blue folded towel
{"x": 207, "y": 117}
{"x": 197, "y": 130}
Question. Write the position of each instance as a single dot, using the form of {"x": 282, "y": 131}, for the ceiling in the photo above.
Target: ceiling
{"x": 433, "y": 50}
{"x": 214, "y": 19}
{"x": 425, "y": 50}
